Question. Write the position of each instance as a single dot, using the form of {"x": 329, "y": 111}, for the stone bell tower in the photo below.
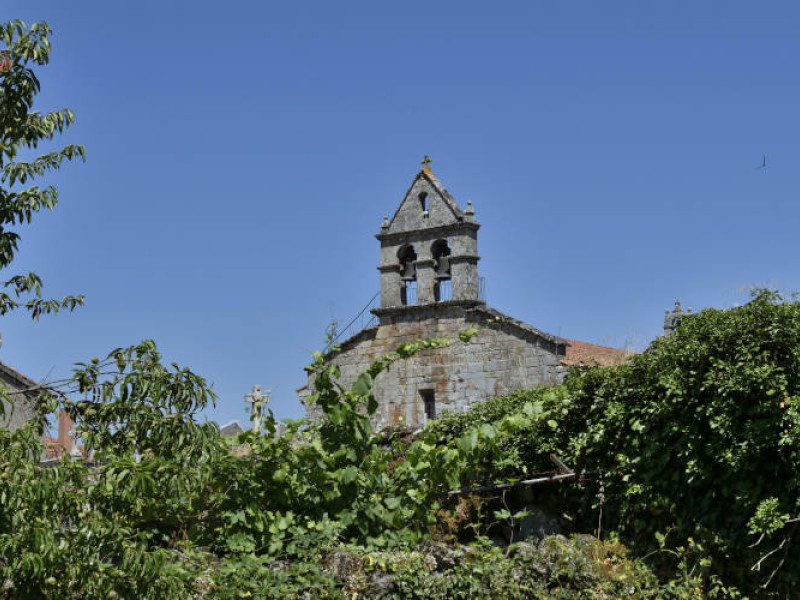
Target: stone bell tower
{"x": 429, "y": 250}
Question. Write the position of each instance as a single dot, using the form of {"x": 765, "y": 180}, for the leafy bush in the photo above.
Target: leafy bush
{"x": 162, "y": 485}
{"x": 581, "y": 567}
{"x": 697, "y": 439}
{"x": 549, "y": 421}
{"x": 189, "y": 515}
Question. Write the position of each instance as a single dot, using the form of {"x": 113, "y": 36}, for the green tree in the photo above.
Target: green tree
{"x": 22, "y": 130}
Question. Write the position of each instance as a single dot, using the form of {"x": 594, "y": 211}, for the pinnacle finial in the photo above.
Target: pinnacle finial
{"x": 426, "y": 161}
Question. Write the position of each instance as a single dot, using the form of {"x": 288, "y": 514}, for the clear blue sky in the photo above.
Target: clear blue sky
{"x": 241, "y": 156}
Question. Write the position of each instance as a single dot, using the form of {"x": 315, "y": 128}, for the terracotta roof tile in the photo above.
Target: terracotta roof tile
{"x": 584, "y": 353}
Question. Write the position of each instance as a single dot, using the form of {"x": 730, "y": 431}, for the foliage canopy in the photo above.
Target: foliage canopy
{"x": 22, "y": 130}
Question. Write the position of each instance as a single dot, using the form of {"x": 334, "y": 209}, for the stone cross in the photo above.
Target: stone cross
{"x": 426, "y": 161}
{"x": 258, "y": 402}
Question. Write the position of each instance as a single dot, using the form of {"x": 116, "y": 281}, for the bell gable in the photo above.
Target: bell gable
{"x": 426, "y": 205}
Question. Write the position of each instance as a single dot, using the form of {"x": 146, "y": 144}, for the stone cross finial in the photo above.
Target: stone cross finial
{"x": 258, "y": 402}
{"x": 426, "y": 161}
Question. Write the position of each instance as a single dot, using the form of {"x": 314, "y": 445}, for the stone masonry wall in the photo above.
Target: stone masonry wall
{"x": 500, "y": 358}
{"x": 17, "y": 412}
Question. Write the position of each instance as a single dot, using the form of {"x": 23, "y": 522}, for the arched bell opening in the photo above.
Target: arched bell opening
{"x": 440, "y": 251}
{"x": 407, "y": 257}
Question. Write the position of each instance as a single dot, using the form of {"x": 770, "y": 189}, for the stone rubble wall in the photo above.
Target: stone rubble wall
{"x": 16, "y": 412}
{"x": 498, "y": 360}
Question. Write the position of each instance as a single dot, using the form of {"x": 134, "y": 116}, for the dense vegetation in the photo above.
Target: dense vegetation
{"x": 166, "y": 510}
{"x": 692, "y": 443}
{"x": 690, "y": 453}
{"x": 696, "y": 440}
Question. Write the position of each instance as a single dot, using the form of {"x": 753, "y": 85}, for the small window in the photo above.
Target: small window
{"x": 429, "y": 403}
{"x": 423, "y": 201}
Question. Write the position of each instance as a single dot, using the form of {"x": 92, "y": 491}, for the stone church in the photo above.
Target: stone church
{"x": 430, "y": 288}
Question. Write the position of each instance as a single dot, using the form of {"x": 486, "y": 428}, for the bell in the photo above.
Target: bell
{"x": 409, "y": 271}
{"x": 443, "y": 267}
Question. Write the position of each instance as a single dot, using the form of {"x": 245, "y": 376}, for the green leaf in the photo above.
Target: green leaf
{"x": 469, "y": 442}
{"x": 363, "y": 384}
{"x": 349, "y": 474}
{"x": 533, "y": 409}
{"x": 466, "y": 335}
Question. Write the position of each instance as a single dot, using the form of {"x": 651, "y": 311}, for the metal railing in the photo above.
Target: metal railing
{"x": 362, "y": 320}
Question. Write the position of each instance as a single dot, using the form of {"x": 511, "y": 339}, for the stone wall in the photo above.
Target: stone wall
{"x": 505, "y": 355}
{"x": 17, "y": 407}
{"x": 17, "y": 412}
{"x": 442, "y": 209}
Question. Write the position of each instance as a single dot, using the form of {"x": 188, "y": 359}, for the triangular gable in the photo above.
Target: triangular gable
{"x": 442, "y": 208}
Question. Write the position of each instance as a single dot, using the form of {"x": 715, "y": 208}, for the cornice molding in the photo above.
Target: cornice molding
{"x": 441, "y": 230}
{"x": 389, "y": 268}
{"x": 410, "y": 309}
{"x": 467, "y": 258}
